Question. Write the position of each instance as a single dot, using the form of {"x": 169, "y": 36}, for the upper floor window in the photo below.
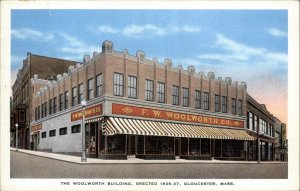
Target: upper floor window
{"x": 206, "y": 101}
{"x": 118, "y": 84}
{"x": 39, "y": 112}
{"x": 74, "y": 96}
{"x": 224, "y": 104}
{"x": 149, "y": 90}
{"x": 255, "y": 122}
{"x": 217, "y": 103}
{"x": 45, "y": 107}
{"x": 161, "y": 92}
{"x": 61, "y": 102}
{"x": 54, "y": 104}
{"x": 185, "y": 97}
{"x": 90, "y": 89}
{"x": 175, "y": 95}
{"x": 233, "y": 106}
{"x": 50, "y": 107}
{"x": 80, "y": 93}
{"x": 42, "y": 110}
{"x": 197, "y": 99}
{"x": 99, "y": 85}
{"x": 250, "y": 121}
{"x": 66, "y": 99}
{"x": 132, "y": 86}
{"x": 239, "y": 107}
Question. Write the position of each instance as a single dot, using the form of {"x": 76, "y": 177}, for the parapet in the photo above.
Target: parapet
{"x": 107, "y": 47}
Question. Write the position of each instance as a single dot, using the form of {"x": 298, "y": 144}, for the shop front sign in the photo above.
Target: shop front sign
{"x": 36, "y": 128}
{"x": 89, "y": 112}
{"x": 121, "y": 109}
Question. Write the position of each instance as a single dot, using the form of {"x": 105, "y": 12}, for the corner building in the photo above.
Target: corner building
{"x": 141, "y": 108}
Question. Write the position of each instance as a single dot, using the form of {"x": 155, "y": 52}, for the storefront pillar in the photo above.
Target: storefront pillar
{"x": 188, "y": 146}
{"x": 258, "y": 150}
{"x": 144, "y": 145}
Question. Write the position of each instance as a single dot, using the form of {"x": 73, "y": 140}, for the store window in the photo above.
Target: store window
{"x": 233, "y": 106}
{"x": 175, "y": 95}
{"x": 91, "y": 137}
{"x": 54, "y": 104}
{"x": 52, "y": 133}
{"x": 75, "y": 128}
{"x": 74, "y": 96}
{"x": 44, "y": 134}
{"x": 184, "y": 146}
{"x": 194, "y": 147}
{"x": 61, "y": 102}
{"x": 50, "y": 107}
{"x": 140, "y": 145}
{"x": 90, "y": 89}
{"x": 99, "y": 85}
{"x": 206, "y": 101}
{"x": 63, "y": 131}
{"x": 149, "y": 90}
{"x": 185, "y": 97}
{"x": 132, "y": 83}
{"x": 156, "y": 145}
{"x": 232, "y": 149}
{"x": 80, "y": 93}
{"x": 205, "y": 147}
{"x": 161, "y": 92}
{"x": 116, "y": 144}
{"x": 224, "y": 104}
{"x": 239, "y": 107}
{"x": 197, "y": 99}
{"x": 66, "y": 99}
{"x": 217, "y": 103}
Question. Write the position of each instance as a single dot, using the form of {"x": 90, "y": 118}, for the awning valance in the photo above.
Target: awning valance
{"x": 156, "y": 128}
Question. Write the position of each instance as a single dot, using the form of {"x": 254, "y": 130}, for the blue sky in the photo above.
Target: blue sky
{"x": 247, "y": 45}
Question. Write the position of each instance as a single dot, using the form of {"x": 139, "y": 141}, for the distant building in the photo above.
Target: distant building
{"x": 46, "y": 68}
{"x": 260, "y": 124}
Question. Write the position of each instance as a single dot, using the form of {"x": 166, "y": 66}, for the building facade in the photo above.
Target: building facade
{"x": 140, "y": 107}
{"x": 260, "y": 124}
{"x": 46, "y": 68}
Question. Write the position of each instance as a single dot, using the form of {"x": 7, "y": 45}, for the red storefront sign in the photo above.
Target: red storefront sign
{"x": 36, "y": 128}
{"x": 121, "y": 109}
{"x": 89, "y": 112}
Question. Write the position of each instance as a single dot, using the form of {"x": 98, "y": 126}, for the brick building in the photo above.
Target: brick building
{"x": 47, "y": 68}
{"x": 136, "y": 106}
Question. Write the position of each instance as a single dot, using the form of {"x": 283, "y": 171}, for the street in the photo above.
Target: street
{"x": 29, "y": 166}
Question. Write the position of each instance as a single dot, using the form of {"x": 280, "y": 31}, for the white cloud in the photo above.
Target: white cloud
{"x": 106, "y": 29}
{"x": 74, "y": 48}
{"x": 276, "y": 32}
{"x": 26, "y": 33}
{"x": 224, "y": 57}
{"x": 134, "y": 30}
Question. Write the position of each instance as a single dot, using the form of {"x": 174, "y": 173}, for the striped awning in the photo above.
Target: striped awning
{"x": 156, "y": 128}
{"x": 93, "y": 120}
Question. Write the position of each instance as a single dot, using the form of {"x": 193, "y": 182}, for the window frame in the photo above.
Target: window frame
{"x": 132, "y": 86}
{"x": 61, "y": 101}
{"x": 185, "y": 97}
{"x": 118, "y": 84}
{"x": 175, "y": 95}
{"x": 224, "y": 104}
{"x": 197, "y": 99}
{"x": 99, "y": 85}
{"x": 80, "y": 93}
{"x": 51, "y": 134}
{"x": 44, "y": 134}
{"x": 77, "y": 127}
{"x": 233, "y": 106}
{"x": 66, "y": 97}
{"x": 149, "y": 90}
{"x": 217, "y": 103}
{"x": 63, "y": 131}
{"x": 206, "y": 101}
{"x": 161, "y": 92}
{"x": 90, "y": 89}
{"x": 74, "y": 97}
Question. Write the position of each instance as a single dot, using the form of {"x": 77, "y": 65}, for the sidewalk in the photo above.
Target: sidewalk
{"x": 77, "y": 159}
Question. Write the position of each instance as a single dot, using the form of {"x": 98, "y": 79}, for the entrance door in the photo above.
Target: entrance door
{"x": 177, "y": 147}
{"x": 91, "y": 138}
{"x": 131, "y": 145}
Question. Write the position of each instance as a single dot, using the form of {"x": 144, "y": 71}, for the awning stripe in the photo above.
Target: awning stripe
{"x": 157, "y": 128}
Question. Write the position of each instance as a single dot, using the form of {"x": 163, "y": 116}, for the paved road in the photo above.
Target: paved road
{"x": 28, "y": 166}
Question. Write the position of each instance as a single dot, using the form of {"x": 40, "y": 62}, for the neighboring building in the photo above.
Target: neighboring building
{"x": 140, "y": 107}
{"x": 283, "y": 149}
{"x": 46, "y": 68}
{"x": 260, "y": 124}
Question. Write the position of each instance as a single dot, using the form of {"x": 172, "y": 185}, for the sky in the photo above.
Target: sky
{"x": 246, "y": 45}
